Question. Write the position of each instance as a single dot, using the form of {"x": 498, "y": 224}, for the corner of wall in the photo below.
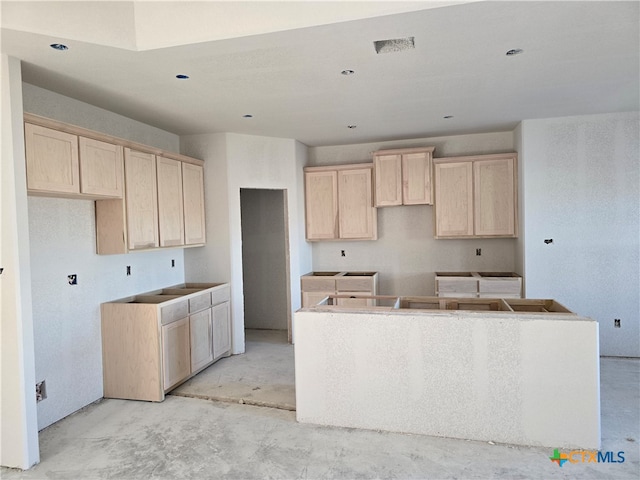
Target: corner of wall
{"x": 19, "y": 430}
{"x": 518, "y": 142}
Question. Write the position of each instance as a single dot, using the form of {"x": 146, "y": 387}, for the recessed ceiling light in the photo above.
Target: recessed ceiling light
{"x": 351, "y": 126}
{"x": 182, "y": 77}
{"x": 448, "y": 116}
{"x": 347, "y": 72}
{"x": 59, "y": 46}
{"x": 515, "y": 51}
{"x": 248, "y": 115}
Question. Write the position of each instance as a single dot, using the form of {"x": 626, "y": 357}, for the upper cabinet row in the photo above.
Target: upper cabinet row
{"x": 54, "y": 168}
{"x": 474, "y": 196}
{"x": 145, "y": 198}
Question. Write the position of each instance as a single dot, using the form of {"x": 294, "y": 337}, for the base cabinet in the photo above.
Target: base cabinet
{"x": 315, "y": 286}
{"x": 478, "y": 284}
{"x": 153, "y": 342}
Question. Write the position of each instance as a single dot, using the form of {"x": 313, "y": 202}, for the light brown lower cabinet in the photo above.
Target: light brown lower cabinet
{"x": 478, "y": 284}
{"x": 351, "y": 286}
{"x": 153, "y": 342}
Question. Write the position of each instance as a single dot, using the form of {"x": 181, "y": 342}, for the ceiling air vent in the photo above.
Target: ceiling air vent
{"x": 394, "y": 45}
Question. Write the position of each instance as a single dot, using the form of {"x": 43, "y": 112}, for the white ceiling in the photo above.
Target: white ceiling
{"x": 281, "y": 63}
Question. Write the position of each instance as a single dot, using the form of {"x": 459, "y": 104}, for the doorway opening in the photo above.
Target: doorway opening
{"x": 264, "y": 375}
{"x": 265, "y": 260}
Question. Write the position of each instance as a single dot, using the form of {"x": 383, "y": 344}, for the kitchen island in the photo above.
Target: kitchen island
{"x": 514, "y": 371}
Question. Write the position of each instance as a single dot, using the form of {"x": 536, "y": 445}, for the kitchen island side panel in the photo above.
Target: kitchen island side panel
{"x": 530, "y": 380}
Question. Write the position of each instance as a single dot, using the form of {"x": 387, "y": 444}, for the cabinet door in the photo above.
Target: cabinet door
{"x": 141, "y": 199}
{"x": 454, "y": 199}
{"x": 100, "y": 168}
{"x": 52, "y": 160}
{"x": 388, "y": 175}
{"x": 321, "y": 204}
{"x": 176, "y": 358}
{"x": 201, "y": 332}
{"x": 194, "y": 217}
{"x": 357, "y": 214}
{"x": 170, "y": 209}
{"x": 494, "y": 197}
{"x": 416, "y": 173}
{"x": 221, "y": 330}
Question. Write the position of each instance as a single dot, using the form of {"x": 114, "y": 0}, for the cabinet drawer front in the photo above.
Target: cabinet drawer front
{"x": 354, "y": 284}
{"x": 313, "y": 284}
{"x": 200, "y": 302}
{"x": 457, "y": 285}
{"x": 510, "y": 286}
{"x": 174, "y": 312}
{"x": 355, "y": 300}
{"x": 220, "y": 295}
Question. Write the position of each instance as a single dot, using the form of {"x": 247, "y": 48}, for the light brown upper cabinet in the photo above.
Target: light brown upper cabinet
{"x": 339, "y": 203}
{"x": 141, "y": 199}
{"x": 63, "y": 164}
{"x": 145, "y": 197}
{"x": 321, "y": 204}
{"x": 101, "y": 166}
{"x": 403, "y": 176}
{"x": 193, "y": 195}
{"x": 476, "y": 196}
{"x": 170, "y": 202}
{"x": 163, "y": 207}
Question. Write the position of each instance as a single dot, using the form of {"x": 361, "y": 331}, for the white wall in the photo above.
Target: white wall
{"x": 582, "y": 189}
{"x": 520, "y": 247}
{"x": 245, "y": 161}
{"x": 406, "y": 255}
{"x": 211, "y": 262}
{"x": 68, "y": 352}
{"x": 19, "y": 434}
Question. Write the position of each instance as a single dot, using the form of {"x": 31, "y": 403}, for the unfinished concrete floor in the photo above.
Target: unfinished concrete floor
{"x": 263, "y": 376}
{"x": 192, "y": 438}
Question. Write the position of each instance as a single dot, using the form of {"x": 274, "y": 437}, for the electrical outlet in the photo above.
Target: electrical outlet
{"x": 73, "y": 279}
{"x": 41, "y": 391}
{"x": 616, "y": 322}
